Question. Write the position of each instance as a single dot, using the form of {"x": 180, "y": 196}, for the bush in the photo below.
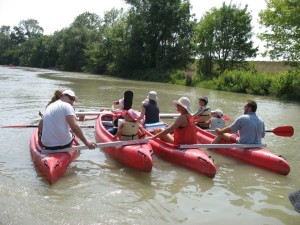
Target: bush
{"x": 285, "y": 85}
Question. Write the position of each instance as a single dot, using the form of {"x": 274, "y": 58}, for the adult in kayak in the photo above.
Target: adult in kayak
{"x": 250, "y": 128}
{"x": 57, "y": 120}
{"x": 55, "y": 97}
{"x": 150, "y": 109}
{"x": 119, "y": 103}
{"x": 184, "y": 127}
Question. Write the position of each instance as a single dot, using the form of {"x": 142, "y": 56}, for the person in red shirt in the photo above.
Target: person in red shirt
{"x": 184, "y": 127}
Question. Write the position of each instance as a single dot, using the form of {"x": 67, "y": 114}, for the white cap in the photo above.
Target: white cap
{"x": 218, "y": 112}
{"x": 70, "y": 93}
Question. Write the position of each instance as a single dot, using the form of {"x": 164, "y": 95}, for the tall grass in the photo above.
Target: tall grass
{"x": 284, "y": 85}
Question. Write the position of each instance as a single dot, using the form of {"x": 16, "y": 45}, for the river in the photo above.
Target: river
{"x": 98, "y": 190}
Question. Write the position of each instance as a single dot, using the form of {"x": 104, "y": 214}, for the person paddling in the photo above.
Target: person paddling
{"x": 55, "y": 97}
{"x": 57, "y": 121}
{"x": 184, "y": 127}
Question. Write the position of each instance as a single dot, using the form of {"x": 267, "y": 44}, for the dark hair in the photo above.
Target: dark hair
{"x": 55, "y": 97}
{"x": 252, "y": 104}
{"x": 152, "y": 101}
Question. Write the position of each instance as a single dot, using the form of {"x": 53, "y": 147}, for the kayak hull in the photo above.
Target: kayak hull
{"x": 193, "y": 159}
{"x": 51, "y": 166}
{"x": 137, "y": 156}
{"x": 258, "y": 157}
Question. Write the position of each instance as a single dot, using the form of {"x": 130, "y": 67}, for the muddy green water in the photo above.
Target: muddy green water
{"x": 98, "y": 190}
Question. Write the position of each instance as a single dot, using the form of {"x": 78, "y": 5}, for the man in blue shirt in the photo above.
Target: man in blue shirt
{"x": 246, "y": 129}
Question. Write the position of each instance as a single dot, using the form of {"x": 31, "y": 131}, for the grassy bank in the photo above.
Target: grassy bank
{"x": 264, "y": 78}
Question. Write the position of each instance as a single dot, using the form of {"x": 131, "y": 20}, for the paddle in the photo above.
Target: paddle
{"x": 223, "y": 146}
{"x": 99, "y": 145}
{"x": 226, "y": 118}
{"x": 162, "y": 115}
{"x": 284, "y": 131}
{"x": 28, "y": 126}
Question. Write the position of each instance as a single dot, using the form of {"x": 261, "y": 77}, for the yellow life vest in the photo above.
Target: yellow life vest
{"x": 130, "y": 131}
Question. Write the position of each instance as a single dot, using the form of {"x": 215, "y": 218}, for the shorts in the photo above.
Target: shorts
{"x": 234, "y": 138}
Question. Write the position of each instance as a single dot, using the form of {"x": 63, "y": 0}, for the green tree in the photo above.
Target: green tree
{"x": 5, "y": 43}
{"x": 75, "y": 39}
{"x": 282, "y": 33}
{"x": 25, "y": 30}
{"x": 105, "y": 55}
{"x": 224, "y": 38}
{"x": 160, "y": 33}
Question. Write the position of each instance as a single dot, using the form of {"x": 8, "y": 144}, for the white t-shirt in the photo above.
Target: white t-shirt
{"x": 217, "y": 123}
{"x": 56, "y": 131}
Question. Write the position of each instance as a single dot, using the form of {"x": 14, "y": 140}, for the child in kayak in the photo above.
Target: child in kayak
{"x": 202, "y": 114}
{"x": 216, "y": 119}
{"x": 128, "y": 130}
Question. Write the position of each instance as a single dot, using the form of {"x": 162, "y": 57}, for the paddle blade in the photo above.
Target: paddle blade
{"x": 285, "y": 131}
{"x": 226, "y": 118}
{"x": 128, "y": 96}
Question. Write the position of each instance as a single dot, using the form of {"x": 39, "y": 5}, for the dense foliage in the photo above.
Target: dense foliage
{"x": 224, "y": 40}
{"x": 282, "y": 34}
{"x": 158, "y": 40}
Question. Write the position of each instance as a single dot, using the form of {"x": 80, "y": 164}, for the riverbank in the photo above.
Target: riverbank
{"x": 263, "y": 78}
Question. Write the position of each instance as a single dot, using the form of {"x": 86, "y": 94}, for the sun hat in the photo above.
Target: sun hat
{"x": 132, "y": 114}
{"x": 203, "y": 98}
{"x": 152, "y": 95}
{"x": 219, "y": 112}
{"x": 184, "y": 102}
{"x": 294, "y": 198}
{"x": 70, "y": 93}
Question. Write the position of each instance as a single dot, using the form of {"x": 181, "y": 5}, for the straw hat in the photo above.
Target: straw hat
{"x": 184, "y": 102}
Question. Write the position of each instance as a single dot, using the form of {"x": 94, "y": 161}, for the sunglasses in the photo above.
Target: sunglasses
{"x": 71, "y": 98}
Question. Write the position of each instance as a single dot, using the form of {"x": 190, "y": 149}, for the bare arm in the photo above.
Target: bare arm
{"x": 180, "y": 121}
{"x": 40, "y": 128}
{"x": 78, "y": 132}
{"x": 142, "y": 114}
{"x": 119, "y": 132}
{"x": 222, "y": 131}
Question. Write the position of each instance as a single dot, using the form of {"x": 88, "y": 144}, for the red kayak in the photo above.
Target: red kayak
{"x": 258, "y": 157}
{"x": 137, "y": 156}
{"x": 194, "y": 159}
{"x": 52, "y": 166}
